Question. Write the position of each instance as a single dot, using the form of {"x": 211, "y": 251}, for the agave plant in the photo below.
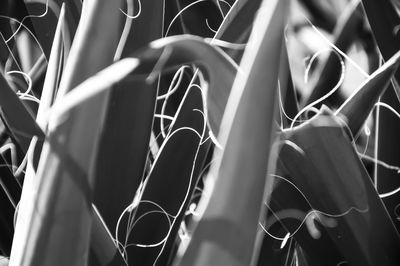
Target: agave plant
{"x": 191, "y": 132}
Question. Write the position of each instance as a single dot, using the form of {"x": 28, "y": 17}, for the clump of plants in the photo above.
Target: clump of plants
{"x": 204, "y": 132}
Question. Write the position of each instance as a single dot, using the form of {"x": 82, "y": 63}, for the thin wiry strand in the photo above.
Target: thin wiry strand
{"x": 380, "y": 162}
{"x": 13, "y": 151}
{"x": 151, "y": 245}
{"x": 180, "y": 13}
{"x": 161, "y": 116}
{"x": 126, "y": 30}
{"x": 313, "y": 58}
{"x": 131, "y": 223}
{"x": 282, "y": 109}
{"x": 29, "y": 98}
{"x": 311, "y": 213}
{"x": 11, "y": 58}
{"x": 21, "y": 23}
{"x": 130, "y": 14}
{"x": 164, "y": 104}
{"x": 209, "y": 27}
{"x": 153, "y": 146}
{"x": 173, "y": 87}
{"x": 226, "y": 3}
{"x": 17, "y": 82}
{"x": 387, "y": 106}
{"x": 13, "y": 167}
{"x": 28, "y": 81}
{"x": 333, "y": 90}
{"x": 334, "y": 47}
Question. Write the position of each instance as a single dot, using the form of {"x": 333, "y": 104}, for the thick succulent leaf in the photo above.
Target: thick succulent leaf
{"x": 124, "y": 142}
{"x": 4, "y": 51}
{"x": 48, "y": 92}
{"x": 288, "y": 103}
{"x": 147, "y": 27}
{"x": 6, "y": 225}
{"x": 42, "y": 238}
{"x": 284, "y": 228}
{"x": 330, "y": 174}
{"x": 175, "y": 165}
{"x": 384, "y": 21}
{"x": 102, "y": 245}
{"x": 3, "y": 261}
{"x": 237, "y": 24}
{"x": 226, "y": 232}
{"x": 358, "y": 106}
{"x": 53, "y": 73}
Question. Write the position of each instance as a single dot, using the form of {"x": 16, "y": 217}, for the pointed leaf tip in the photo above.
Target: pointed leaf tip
{"x": 357, "y": 107}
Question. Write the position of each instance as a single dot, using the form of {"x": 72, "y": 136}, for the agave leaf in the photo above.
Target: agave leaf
{"x": 3, "y": 261}
{"x": 4, "y": 52}
{"x": 41, "y": 240}
{"x": 174, "y": 164}
{"x": 53, "y": 72}
{"x": 9, "y": 183}
{"x": 226, "y": 233}
{"x": 359, "y": 105}
{"x": 237, "y": 24}
{"x": 147, "y": 27}
{"x": 384, "y": 19}
{"x": 124, "y": 142}
{"x": 345, "y": 32}
{"x": 102, "y": 244}
{"x": 48, "y": 94}
{"x": 54, "y": 228}
{"x": 287, "y": 91}
{"x": 6, "y": 225}
{"x": 287, "y": 210}
{"x": 330, "y": 174}
{"x": 37, "y": 74}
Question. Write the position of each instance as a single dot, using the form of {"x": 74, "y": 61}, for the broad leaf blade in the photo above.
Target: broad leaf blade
{"x": 359, "y": 105}
{"x": 42, "y": 241}
{"x": 226, "y": 233}
{"x": 175, "y": 164}
{"x": 124, "y": 142}
{"x": 330, "y": 174}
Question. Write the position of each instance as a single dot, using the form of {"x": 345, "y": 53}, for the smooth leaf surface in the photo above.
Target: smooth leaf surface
{"x": 226, "y": 233}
